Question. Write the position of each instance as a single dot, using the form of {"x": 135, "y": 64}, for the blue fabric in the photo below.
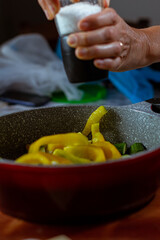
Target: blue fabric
{"x": 58, "y": 49}
{"x": 134, "y": 84}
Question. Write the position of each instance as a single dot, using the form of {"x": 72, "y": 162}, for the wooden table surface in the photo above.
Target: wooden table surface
{"x": 142, "y": 224}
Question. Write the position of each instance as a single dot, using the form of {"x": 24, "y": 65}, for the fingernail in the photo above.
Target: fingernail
{"x": 83, "y": 25}
{"x": 50, "y": 12}
{"x": 82, "y": 52}
{"x": 99, "y": 63}
{"x": 47, "y": 14}
{"x": 72, "y": 41}
{"x": 106, "y": 3}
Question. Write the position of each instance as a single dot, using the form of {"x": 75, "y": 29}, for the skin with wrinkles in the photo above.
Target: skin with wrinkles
{"x": 109, "y": 41}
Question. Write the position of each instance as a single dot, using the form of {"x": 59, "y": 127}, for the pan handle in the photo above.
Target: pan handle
{"x": 151, "y": 106}
{"x": 155, "y": 104}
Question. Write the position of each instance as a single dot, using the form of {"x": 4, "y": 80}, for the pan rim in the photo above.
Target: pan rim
{"x": 128, "y": 160}
{"x": 137, "y": 157}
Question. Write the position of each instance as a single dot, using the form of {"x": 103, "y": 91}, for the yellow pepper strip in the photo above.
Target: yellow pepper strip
{"x": 94, "y": 118}
{"x": 51, "y": 147}
{"x": 96, "y": 134}
{"x": 41, "y": 158}
{"x": 90, "y": 152}
{"x": 60, "y": 160}
{"x": 109, "y": 149}
{"x": 62, "y": 139}
{"x": 35, "y": 158}
{"x": 74, "y": 159}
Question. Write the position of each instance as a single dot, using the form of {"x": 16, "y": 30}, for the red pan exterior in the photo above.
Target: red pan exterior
{"x": 48, "y": 195}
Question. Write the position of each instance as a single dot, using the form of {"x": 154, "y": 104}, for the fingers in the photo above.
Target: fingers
{"x": 111, "y": 50}
{"x": 111, "y": 64}
{"x": 100, "y": 36}
{"x": 50, "y": 7}
{"x": 106, "y": 3}
{"x": 107, "y": 17}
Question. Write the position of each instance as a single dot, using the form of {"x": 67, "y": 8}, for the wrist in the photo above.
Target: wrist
{"x": 151, "y": 42}
{"x": 139, "y": 54}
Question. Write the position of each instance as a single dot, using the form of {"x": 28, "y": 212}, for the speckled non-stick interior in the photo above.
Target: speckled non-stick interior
{"x": 118, "y": 125}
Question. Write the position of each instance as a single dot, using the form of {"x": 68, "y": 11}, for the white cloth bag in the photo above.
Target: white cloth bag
{"x": 27, "y": 63}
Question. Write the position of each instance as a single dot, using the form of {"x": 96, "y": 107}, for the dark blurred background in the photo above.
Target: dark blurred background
{"x": 24, "y": 16}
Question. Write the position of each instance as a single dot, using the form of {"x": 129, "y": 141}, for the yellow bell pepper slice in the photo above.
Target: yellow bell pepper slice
{"x": 60, "y": 160}
{"x": 90, "y": 152}
{"x": 35, "y": 158}
{"x": 42, "y": 159}
{"x": 62, "y": 139}
{"x": 94, "y": 118}
{"x": 74, "y": 159}
{"x": 69, "y": 148}
{"x": 51, "y": 147}
{"x": 96, "y": 134}
{"x": 110, "y": 151}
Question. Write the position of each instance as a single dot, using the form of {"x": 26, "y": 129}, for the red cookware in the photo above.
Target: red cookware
{"x": 69, "y": 193}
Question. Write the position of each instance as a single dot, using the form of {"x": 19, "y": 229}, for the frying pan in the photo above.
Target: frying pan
{"x": 50, "y": 194}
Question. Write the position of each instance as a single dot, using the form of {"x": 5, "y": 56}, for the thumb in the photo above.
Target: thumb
{"x": 50, "y": 7}
{"x": 106, "y": 3}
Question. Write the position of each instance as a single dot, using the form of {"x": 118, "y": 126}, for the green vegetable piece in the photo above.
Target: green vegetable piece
{"x": 136, "y": 147}
{"x": 122, "y": 147}
{"x": 126, "y": 156}
{"x": 42, "y": 149}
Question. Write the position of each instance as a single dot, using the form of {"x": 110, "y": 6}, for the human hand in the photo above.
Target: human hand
{"x": 111, "y": 43}
{"x": 51, "y": 7}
